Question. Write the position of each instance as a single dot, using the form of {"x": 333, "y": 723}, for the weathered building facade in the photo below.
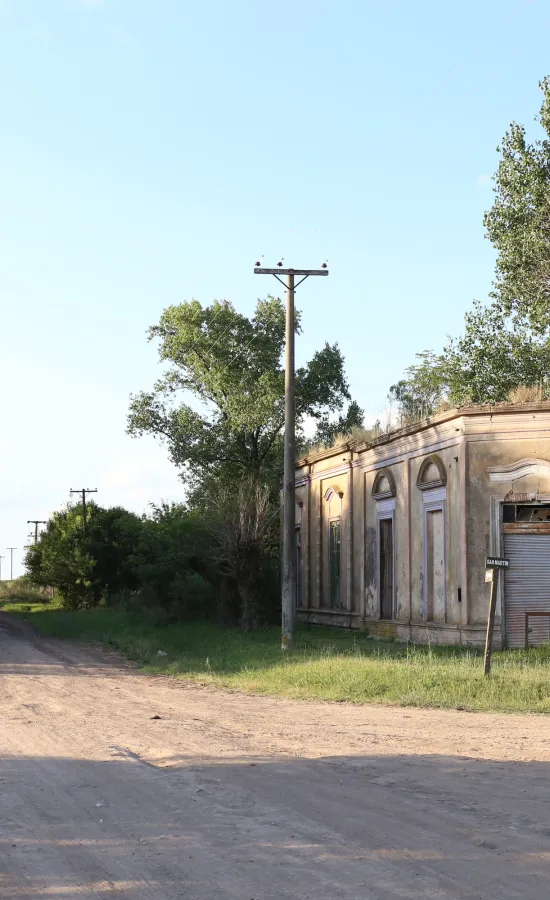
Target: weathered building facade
{"x": 392, "y": 535}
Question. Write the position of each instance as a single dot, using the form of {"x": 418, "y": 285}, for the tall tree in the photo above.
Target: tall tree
{"x": 330, "y": 429}
{"x": 495, "y": 355}
{"x": 518, "y": 224}
{"x": 219, "y": 407}
{"x": 419, "y": 394}
{"x": 505, "y": 345}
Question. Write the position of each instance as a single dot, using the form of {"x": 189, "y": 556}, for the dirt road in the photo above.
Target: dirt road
{"x": 231, "y": 797}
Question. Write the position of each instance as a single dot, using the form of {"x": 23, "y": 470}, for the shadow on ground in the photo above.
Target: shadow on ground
{"x": 271, "y": 829}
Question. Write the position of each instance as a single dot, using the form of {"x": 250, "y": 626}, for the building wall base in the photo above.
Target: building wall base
{"x": 411, "y": 632}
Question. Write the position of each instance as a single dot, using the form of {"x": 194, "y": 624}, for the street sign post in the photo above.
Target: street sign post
{"x": 493, "y": 565}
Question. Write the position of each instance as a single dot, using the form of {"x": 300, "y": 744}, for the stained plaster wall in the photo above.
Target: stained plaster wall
{"x": 497, "y": 442}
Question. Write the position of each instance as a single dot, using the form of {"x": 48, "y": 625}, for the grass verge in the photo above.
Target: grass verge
{"x": 327, "y": 664}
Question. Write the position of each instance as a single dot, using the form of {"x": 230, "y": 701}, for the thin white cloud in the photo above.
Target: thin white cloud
{"x": 483, "y": 180}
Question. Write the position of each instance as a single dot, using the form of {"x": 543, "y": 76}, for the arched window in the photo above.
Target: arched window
{"x": 384, "y": 485}
{"x": 432, "y": 473}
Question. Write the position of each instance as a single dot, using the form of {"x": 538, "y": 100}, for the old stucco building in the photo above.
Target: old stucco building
{"x": 392, "y": 535}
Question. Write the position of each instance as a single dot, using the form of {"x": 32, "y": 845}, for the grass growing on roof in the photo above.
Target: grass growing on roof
{"x": 327, "y": 664}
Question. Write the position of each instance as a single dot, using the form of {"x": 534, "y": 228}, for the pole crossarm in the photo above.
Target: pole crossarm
{"x": 36, "y": 523}
{"x": 306, "y": 272}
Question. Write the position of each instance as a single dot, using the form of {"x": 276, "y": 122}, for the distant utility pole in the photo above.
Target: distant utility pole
{"x": 288, "y": 600}
{"x": 1, "y": 558}
{"x": 11, "y": 549}
{"x": 36, "y": 523}
{"x": 83, "y": 492}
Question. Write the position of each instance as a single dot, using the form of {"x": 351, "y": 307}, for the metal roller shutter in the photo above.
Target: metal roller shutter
{"x": 527, "y": 587}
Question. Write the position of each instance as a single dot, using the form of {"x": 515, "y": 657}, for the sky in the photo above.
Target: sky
{"x": 151, "y": 152}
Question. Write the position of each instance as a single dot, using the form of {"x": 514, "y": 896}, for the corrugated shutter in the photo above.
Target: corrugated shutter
{"x": 527, "y": 587}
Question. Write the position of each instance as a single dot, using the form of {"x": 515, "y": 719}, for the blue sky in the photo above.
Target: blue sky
{"x": 152, "y": 151}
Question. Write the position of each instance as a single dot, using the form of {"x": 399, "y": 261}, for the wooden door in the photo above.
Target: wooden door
{"x": 435, "y": 563}
{"x": 386, "y": 568}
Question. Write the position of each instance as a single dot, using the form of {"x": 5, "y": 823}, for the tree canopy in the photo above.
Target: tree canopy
{"x": 506, "y": 344}
{"x": 164, "y": 556}
{"x": 518, "y": 224}
{"x": 219, "y": 406}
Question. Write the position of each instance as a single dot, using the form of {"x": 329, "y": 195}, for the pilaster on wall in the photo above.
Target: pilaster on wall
{"x": 408, "y": 540}
{"x": 362, "y": 538}
{"x": 349, "y": 553}
{"x": 306, "y": 545}
{"x": 319, "y": 560}
{"x": 462, "y": 469}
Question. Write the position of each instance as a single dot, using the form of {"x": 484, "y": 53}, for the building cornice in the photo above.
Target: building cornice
{"x": 412, "y": 436}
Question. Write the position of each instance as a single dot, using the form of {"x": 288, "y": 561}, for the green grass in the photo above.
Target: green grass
{"x": 20, "y": 590}
{"x": 327, "y": 664}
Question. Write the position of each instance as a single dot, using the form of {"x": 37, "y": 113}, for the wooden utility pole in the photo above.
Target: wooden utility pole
{"x": 36, "y": 523}
{"x": 289, "y": 574}
{"x": 83, "y": 492}
{"x": 11, "y": 549}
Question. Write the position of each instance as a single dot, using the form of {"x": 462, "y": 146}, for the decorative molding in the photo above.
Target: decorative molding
{"x": 369, "y": 465}
{"x": 385, "y": 506}
{"x": 380, "y": 475}
{"x": 333, "y": 491}
{"x": 431, "y": 460}
{"x": 520, "y": 469}
{"x": 433, "y": 495}
{"x": 330, "y": 473}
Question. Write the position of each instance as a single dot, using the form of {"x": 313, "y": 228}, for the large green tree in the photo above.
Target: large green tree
{"x": 518, "y": 224}
{"x": 505, "y": 345}
{"x": 421, "y": 391}
{"x": 165, "y": 556}
{"x": 86, "y": 568}
{"x": 219, "y": 406}
{"x": 494, "y": 356}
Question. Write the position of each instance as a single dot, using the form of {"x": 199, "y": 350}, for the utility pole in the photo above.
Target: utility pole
{"x": 11, "y": 549}
{"x": 83, "y": 492}
{"x": 288, "y": 599}
{"x": 36, "y": 523}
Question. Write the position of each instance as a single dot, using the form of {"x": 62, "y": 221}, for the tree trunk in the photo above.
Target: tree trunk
{"x": 250, "y": 606}
{"x": 228, "y": 602}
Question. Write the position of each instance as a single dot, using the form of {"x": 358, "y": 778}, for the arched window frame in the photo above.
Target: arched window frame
{"x": 432, "y": 460}
{"x": 384, "y": 495}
